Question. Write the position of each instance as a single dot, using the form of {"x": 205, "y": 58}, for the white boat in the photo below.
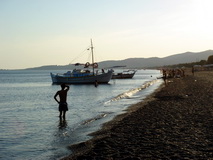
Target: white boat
{"x": 124, "y": 75}
{"x": 83, "y": 76}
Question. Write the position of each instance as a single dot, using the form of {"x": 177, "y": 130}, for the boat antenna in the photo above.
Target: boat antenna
{"x": 92, "y": 57}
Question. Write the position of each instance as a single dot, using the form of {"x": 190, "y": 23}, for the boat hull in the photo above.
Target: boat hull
{"x": 123, "y": 76}
{"x": 90, "y": 79}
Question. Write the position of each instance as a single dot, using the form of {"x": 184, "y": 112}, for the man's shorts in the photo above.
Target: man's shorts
{"x": 63, "y": 107}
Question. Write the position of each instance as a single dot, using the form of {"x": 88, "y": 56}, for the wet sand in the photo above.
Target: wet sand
{"x": 175, "y": 122}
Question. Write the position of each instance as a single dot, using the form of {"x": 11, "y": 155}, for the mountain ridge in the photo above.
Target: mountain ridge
{"x": 187, "y": 57}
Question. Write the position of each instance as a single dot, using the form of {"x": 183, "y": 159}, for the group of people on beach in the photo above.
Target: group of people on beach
{"x": 172, "y": 73}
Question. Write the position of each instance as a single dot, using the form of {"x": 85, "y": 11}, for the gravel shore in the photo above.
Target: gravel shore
{"x": 176, "y": 122}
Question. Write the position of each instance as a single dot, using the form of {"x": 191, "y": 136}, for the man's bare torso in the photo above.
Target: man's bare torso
{"x": 63, "y": 96}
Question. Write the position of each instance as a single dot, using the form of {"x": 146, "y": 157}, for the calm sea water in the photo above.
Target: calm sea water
{"x": 30, "y": 127}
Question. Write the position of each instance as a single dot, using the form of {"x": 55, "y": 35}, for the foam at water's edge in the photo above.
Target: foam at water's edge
{"x": 132, "y": 91}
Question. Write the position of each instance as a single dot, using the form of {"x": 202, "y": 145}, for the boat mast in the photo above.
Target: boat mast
{"x": 92, "y": 58}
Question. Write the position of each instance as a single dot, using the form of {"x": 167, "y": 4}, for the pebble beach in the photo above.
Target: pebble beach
{"x": 175, "y": 122}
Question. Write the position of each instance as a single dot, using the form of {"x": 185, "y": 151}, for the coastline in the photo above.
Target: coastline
{"x": 174, "y": 122}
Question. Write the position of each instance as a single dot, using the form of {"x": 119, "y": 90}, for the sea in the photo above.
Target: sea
{"x": 30, "y": 127}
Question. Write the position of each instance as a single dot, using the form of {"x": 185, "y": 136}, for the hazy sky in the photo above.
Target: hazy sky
{"x": 48, "y": 32}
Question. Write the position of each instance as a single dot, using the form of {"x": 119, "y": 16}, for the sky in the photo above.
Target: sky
{"x": 35, "y": 33}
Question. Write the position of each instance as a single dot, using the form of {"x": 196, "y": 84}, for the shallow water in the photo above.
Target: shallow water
{"x": 30, "y": 127}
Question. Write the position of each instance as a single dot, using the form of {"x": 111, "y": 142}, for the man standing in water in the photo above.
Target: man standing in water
{"x": 63, "y": 100}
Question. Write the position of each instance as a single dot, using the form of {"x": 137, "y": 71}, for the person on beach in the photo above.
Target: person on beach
{"x": 63, "y": 100}
{"x": 193, "y": 71}
{"x": 164, "y": 76}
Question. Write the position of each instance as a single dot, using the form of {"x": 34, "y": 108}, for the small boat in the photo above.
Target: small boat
{"x": 124, "y": 75}
{"x": 83, "y": 76}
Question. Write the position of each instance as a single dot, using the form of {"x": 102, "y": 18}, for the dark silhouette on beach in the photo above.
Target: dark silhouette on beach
{"x": 193, "y": 71}
{"x": 63, "y": 107}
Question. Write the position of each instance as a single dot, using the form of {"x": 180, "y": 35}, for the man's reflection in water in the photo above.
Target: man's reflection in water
{"x": 62, "y": 123}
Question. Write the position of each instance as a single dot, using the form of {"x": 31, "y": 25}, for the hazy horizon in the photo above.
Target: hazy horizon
{"x": 38, "y": 33}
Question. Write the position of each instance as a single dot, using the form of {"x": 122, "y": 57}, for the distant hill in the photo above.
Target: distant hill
{"x": 187, "y": 57}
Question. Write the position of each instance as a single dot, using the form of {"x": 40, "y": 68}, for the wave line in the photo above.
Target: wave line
{"x": 132, "y": 91}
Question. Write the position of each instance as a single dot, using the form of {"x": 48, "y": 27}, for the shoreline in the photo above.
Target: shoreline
{"x": 172, "y": 122}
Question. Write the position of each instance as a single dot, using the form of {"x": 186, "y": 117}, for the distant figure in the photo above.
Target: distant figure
{"x": 63, "y": 100}
{"x": 96, "y": 83}
{"x": 193, "y": 71}
{"x": 183, "y": 72}
{"x": 165, "y": 76}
